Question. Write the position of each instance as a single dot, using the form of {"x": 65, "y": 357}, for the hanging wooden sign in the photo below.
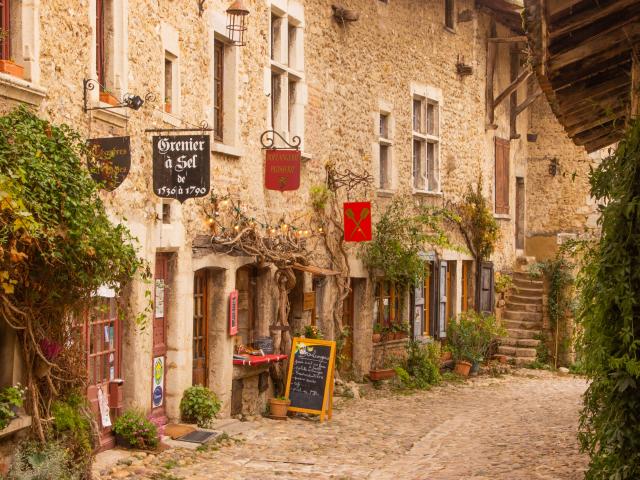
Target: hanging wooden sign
{"x": 233, "y": 313}
{"x": 357, "y": 221}
{"x": 181, "y": 166}
{"x": 109, "y": 160}
{"x": 310, "y": 377}
{"x": 282, "y": 169}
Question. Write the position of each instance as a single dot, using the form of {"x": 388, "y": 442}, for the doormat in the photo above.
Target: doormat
{"x": 198, "y": 436}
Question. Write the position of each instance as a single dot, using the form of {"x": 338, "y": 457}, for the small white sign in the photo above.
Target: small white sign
{"x": 105, "y": 418}
{"x": 159, "y": 298}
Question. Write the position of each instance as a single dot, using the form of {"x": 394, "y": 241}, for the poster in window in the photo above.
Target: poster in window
{"x": 282, "y": 170}
{"x": 159, "y": 298}
{"x": 233, "y": 313}
{"x": 357, "y": 221}
{"x": 109, "y": 160}
{"x": 181, "y": 166}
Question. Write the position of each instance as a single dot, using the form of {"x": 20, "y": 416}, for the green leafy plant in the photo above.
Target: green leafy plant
{"x": 42, "y": 461}
{"x": 136, "y": 429}
{"x": 377, "y": 328}
{"x": 72, "y": 427}
{"x": 10, "y": 398}
{"x": 319, "y": 196}
{"x": 312, "y": 331}
{"x": 400, "y": 235}
{"x": 421, "y": 369}
{"x": 609, "y": 286}
{"x": 472, "y": 335}
{"x": 503, "y": 283}
{"x": 199, "y": 405}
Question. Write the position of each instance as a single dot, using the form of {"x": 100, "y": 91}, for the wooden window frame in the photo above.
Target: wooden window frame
{"x": 100, "y": 44}
{"x": 96, "y": 349}
{"x": 390, "y": 290}
{"x": 502, "y": 176}
{"x": 218, "y": 82}
{"x": 430, "y": 181}
{"x": 201, "y": 277}
{"x": 5, "y": 25}
{"x": 449, "y": 14}
{"x": 384, "y": 145}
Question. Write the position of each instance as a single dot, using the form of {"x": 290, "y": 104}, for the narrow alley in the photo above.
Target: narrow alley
{"x": 520, "y": 426}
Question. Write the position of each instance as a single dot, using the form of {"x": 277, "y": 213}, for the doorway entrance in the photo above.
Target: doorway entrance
{"x": 200, "y": 328}
{"x": 159, "y": 354}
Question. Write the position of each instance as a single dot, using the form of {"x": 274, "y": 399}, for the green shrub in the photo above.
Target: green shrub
{"x": 199, "y": 405}
{"x": 48, "y": 461}
{"x": 472, "y": 334}
{"x": 421, "y": 369}
{"x": 10, "y": 397}
{"x": 136, "y": 429}
{"x": 72, "y": 426}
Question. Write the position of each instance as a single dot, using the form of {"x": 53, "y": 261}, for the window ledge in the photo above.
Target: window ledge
{"x": 21, "y": 90}
{"x": 502, "y": 216}
{"x": 228, "y": 150}
{"x": 426, "y": 193}
{"x": 116, "y": 116}
{"x": 306, "y": 156}
{"x": 170, "y": 119}
{"x": 385, "y": 193}
{"x": 16, "y": 425}
{"x": 450, "y": 30}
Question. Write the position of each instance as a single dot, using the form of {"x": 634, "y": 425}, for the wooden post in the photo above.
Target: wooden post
{"x": 635, "y": 86}
{"x": 514, "y": 60}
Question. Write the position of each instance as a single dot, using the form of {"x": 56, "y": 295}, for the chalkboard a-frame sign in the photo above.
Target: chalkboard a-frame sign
{"x": 181, "y": 166}
{"x": 310, "y": 377}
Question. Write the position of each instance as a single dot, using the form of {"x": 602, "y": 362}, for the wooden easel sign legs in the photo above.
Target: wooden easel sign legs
{"x": 311, "y": 376}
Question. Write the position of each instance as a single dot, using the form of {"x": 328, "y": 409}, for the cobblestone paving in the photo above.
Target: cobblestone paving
{"x": 516, "y": 427}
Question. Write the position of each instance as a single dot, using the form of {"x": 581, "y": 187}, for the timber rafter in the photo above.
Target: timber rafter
{"x": 582, "y": 53}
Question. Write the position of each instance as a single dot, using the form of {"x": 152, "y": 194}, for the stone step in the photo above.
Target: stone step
{"x": 521, "y": 361}
{"x": 517, "y": 351}
{"x": 520, "y": 342}
{"x": 517, "y": 283}
{"x": 524, "y": 260}
{"x": 524, "y": 276}
{"x": 523, "y": 307}
{"x": 521, "y": 333}
{"x": 517, "y": 298}
{"x": 521, "y": 324}
{"x": 524, "y": 316}
{"x": 528, "y": 292}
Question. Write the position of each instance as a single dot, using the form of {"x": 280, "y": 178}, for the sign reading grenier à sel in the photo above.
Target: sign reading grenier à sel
{"x": 282, "y": 170}
{"x": 181, "y": 166}
{"x": 109, "y": 161}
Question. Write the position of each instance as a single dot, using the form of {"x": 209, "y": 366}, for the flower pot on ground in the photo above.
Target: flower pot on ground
{"x": 376, "y": 337}
{"x": 278, "y": 407}
{"x": 463, "y": 368}
{"x": 382, "y": 374}
{"x": 11, "y": 68}
{"x": 106, "y": 97}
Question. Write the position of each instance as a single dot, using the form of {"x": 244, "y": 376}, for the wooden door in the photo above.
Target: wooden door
{"x": 520, "y": 212}
{"x": 159, "y": 353}
{"x": 347, "y": 321}
{"x": 103, "y": 348}
{"x": 486, "y": 287}
{"x": 418, "y": 310}
{"x": 200, "y": 328}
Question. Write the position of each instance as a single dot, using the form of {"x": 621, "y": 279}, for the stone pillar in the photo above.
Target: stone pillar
{"x": 362, "y": 325}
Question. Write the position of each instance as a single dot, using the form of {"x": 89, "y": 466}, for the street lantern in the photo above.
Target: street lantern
{"x": 236, "y": 22}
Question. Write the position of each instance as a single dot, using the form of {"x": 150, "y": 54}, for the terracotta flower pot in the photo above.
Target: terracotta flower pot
{"x": 376, "y": 337}
{"x": 278, "y": 408}
{"x": 383, "y": 374}
{"x": 463, "y": 368}
{"x": 167, "y": 107}
{"x": 106, "y": 97}
{"x": 12, "y": 68}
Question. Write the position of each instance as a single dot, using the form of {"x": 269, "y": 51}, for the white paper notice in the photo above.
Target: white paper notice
{"x": 104, "y": 409}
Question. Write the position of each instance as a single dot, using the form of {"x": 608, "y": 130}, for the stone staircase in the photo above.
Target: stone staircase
{"x": 523, "y": 319}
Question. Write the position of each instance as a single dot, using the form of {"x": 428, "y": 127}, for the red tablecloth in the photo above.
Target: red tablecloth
{"x": 259, "y": 359}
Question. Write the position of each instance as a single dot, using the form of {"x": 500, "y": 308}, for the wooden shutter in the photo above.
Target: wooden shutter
{"x": 442, "y": 294}
{"x": 486, "y": 287}
{"x": 100, "y": 42}
{"x": 418, "y": 311}
{"x": 502, "y": 176}
{"x": 5, "y": 26}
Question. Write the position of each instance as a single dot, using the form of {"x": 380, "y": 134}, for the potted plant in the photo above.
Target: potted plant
{"x": 133, "y": 430}
{"x": 279, "y": 406}
{"x": 199, "y": 405}
{"x": 108, "y": 97}
{"x": 377, "y": 333}
{"x": 12, "y": 68}
{"x": 402, "y": 330}
{"x": 312, "y": 331}
{"x": 387, "y": 370}
{"x": 11, "y": 399}
{"x": 446, "y": 355}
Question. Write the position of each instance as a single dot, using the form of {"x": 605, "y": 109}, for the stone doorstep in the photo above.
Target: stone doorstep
{"x": 520, "y": 342}
{"x": 528, "y": 292}
{"x": 517, "y": 351}
{"x": 536, "y": 300}
{"x": 519, "y": 333}
{"x": 521, "y": 324}
{"x": 524, "y": 307}
{"x": 519, "y": 361}
{"x": 522, "y": 316}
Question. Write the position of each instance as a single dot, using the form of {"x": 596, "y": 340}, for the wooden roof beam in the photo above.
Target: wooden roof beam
{"x": 587, "y": 69}
{"x": 596, "y": 133}
{"x": 571, "y": 23}
{"x": 522, "y": 77}
{"x": 602, "y": 142}
{"x": 592, "y": 86}
{"x": 585, "y": 125}
{"x": 519, "y": 38}
{"x": 556, "y": 6}
{"x": 593, "y": 95}
{"x": 591, "y": 110}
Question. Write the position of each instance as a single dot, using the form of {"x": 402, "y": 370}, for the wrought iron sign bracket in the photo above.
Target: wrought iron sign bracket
{"x": 129, "y": 100}
{"x": 347, "y": 178}
{"x": 162, "y": 130}
{"x": 267, "y": 139}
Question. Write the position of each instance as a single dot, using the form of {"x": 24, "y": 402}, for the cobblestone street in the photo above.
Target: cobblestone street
{"x": 518, "y": 426}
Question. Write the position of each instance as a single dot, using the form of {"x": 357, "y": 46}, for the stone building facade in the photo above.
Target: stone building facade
{"x": 305, "y": 72}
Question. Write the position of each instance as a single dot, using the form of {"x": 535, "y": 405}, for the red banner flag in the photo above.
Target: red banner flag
{"x": 282, "y": 170}
{"x": 357, "y": 221}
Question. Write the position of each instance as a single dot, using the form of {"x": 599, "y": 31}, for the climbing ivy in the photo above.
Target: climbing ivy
{"x": 401, "y": 233}
{"x": 57, "y": 246}
{"x": 609, "y": 313}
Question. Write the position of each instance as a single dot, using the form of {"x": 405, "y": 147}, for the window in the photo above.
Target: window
{"x": 287, "y": 74}
{"x": 466, "y": 299}
{"x": 502, "y": 176}
{"x": 168, "y": 82}
{"x": 386, "y": 306}
{"x": 218, "y": 89}
{"x": 426, "y": 142}
{"x": 384, "y": 157}
{"x": 5, "y": 30}
{"x": 105, "y": 42}
{"x": 449, "y": 11}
